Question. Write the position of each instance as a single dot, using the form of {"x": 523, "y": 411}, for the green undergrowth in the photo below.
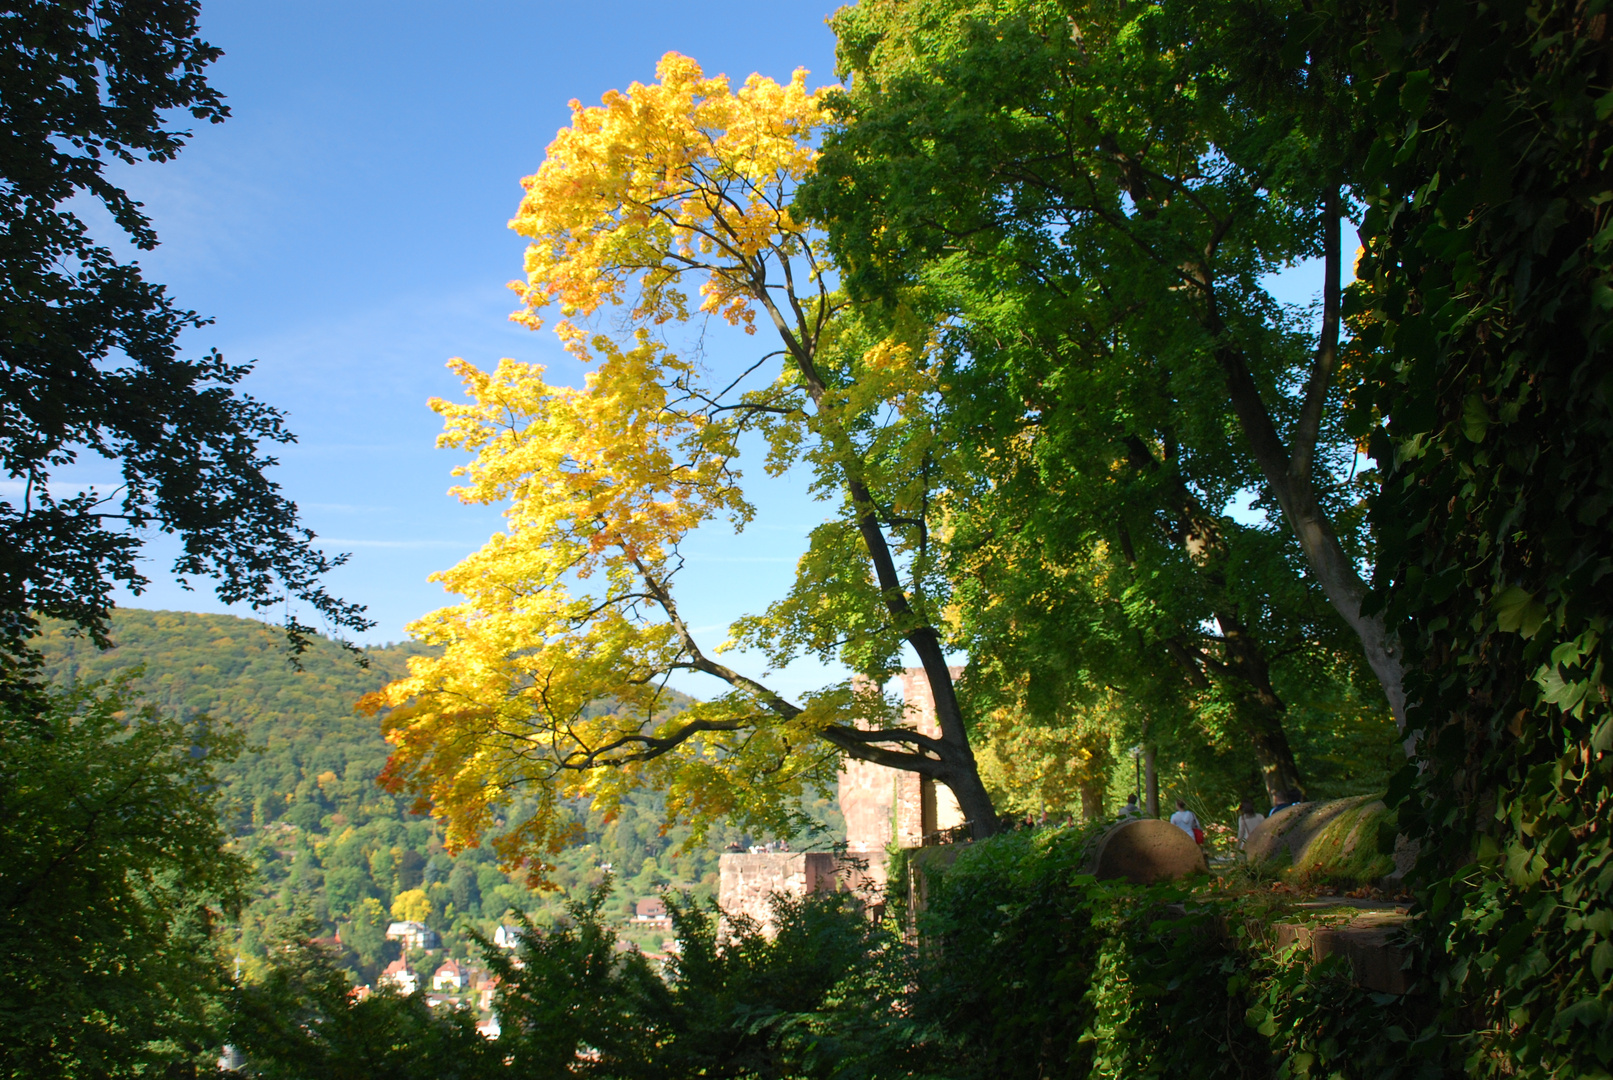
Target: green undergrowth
{"x": 1029, "y": 967}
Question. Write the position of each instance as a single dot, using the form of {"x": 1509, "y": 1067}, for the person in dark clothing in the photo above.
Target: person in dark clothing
{"x": 1290, "y": 798}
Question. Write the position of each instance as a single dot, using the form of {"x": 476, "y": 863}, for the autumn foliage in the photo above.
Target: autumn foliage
{"x": 550, "y": 680}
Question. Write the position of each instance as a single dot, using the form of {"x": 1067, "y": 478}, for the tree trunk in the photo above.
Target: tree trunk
{"x": 1092, "y": 798}
{"x": 956, "y": 768}
{"x": 1334, "y": 571}
{"x": 1288, "y": 469}
{"x": 959, "y": 771}
{"x": 1260, "y": 709}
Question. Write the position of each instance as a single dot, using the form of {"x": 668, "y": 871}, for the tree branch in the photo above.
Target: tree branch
{"x": 1327, "y": 346}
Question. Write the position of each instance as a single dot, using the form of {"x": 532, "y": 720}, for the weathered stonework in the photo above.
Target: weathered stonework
{"x": 1336, "y": 840}
{"x": 747, "y": 883}
{"x": 881, "y": 807}
{"x": 885, "y": 806}
{"x": 1369, "y": 940}
{"x": 1146, "y": 850}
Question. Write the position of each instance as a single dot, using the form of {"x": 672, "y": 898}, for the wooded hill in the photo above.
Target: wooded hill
{"x": 302, "y": 800}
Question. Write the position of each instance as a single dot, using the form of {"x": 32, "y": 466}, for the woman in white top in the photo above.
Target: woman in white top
{"x": 1248, "y": 821}
{"x": 1185, "y": 819}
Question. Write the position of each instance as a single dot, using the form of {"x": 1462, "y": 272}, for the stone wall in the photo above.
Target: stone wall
{"x": 881, "y": 807}
{"x": 747, "y": 883}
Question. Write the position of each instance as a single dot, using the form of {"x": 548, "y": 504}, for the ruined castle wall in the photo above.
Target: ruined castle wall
{"x": 746, "y": 883}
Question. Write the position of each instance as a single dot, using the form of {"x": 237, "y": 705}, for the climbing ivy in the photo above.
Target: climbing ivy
{"x": 1483, "y": 307}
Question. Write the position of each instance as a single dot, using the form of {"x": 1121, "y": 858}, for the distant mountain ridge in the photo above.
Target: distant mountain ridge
{"x": 239, "y": 671}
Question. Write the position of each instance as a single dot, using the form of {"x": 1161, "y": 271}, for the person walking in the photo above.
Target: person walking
{"x": 1249, "y": 820}
{"x": 1131, "y": 809}
{"x": 1188, "y": 822}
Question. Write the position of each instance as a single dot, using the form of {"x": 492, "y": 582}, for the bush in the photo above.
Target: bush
{"x": 1028, "y": 967}
{"x": 113, "y": 876}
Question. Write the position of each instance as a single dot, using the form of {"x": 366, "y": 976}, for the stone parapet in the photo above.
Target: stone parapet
{"x": 747, "y": 883}
{"x": 1368, "y": 939}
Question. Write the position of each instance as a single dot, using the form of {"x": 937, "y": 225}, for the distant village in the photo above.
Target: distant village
{"x": 450, "y": 983}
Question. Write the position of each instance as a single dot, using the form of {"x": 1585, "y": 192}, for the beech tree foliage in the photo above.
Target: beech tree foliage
{"x": 662, "y": 194}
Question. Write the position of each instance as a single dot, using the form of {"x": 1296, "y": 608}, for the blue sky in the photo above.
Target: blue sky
{"x": 346, "y": 230}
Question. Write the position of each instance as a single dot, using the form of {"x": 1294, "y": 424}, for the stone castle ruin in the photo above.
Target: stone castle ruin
{"x": 882, "y": 807}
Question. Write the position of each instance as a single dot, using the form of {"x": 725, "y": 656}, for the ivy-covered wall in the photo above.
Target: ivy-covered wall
{"x": 1483, "y": 310}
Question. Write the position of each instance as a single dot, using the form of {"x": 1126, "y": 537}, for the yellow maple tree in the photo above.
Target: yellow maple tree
{"x": 550, "y": 680}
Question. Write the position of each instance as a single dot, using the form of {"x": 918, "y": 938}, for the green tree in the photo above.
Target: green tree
{"x": 1121, "y": 168}
{"x": 815, "y": 997}
{"x": 302, "y": 1020}
{"x": 366, "y": 935}
{"x": 113, "y": 879}
{"x": 1095, "y": 557}
{"x": 89, "y": 361}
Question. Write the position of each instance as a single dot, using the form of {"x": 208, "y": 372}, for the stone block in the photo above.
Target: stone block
{"x": 1366, "y": 940}
{"x": 1335, "y": 840}
{"x": 1146, "y": 850}
{"x": 888, "y": 806}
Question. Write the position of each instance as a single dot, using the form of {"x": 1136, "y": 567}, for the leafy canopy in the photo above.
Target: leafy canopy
{"x": 113, "y": 877}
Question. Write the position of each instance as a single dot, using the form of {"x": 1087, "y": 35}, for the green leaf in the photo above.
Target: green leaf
{"x": 1415, "y": 92}
{"x": 1602, "y": 737}
{"x": 1602, "y": 959}
{"x": 1517, "y": 611}
{"x": 1588, "y": 1011}
{"x": 1475, "y": 418}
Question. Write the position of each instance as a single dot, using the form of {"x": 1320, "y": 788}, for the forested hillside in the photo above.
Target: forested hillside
{"x": 302, "y": 800}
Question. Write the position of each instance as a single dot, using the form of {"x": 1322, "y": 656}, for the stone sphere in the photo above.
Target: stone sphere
{"x": 1146, "y": 850}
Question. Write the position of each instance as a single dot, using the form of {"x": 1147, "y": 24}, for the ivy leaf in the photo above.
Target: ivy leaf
{"x": 1589, "y": 1012}
{"x": 1517, "y": 611}
{"x": 1602, "y": 738}
{"x": 1602, "y": 959}
{"x": 1475, "y": 418}
{"x": 1558, "y": 691}
{"x": 1414, "y": 93}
